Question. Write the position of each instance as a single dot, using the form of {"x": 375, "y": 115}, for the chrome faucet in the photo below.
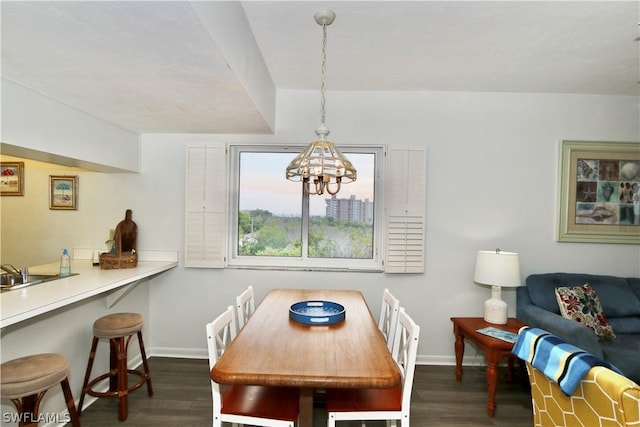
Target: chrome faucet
{"x": 21, "y": 275}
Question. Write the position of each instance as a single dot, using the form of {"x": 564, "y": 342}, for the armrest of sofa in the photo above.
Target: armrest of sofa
{"x": 566, "y": 329}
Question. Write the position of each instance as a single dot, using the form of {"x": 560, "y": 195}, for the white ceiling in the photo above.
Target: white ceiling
{"x": 155, "y": 66}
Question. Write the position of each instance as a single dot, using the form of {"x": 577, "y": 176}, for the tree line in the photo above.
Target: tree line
{"x": 260, "y": 233}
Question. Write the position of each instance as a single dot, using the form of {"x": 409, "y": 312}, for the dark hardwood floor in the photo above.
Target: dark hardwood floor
{"x": 182, "y": 397}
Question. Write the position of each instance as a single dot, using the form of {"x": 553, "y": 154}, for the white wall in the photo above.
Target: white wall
{"x": 491, "y": 182}
{"x": 40, "y": 128}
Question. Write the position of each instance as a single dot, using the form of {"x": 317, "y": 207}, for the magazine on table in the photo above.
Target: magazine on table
{"x": 500, "y": 334}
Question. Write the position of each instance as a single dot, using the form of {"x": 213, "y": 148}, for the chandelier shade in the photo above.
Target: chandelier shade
{"x": 321, "y": 163}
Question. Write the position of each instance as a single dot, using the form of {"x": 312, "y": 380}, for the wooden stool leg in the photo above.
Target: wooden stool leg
{"x": 68, "y": 397}
{"x": 122, "y": 378}
{"x": 114, "y": 363}
{"x": 145, "y": 363}
{"x": 92, "y": 355}
{"x": 28, "y": 409}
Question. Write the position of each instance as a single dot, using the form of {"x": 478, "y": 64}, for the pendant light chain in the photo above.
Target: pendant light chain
{"x": 321, "y": 167}
{"x": 323, "y": 75}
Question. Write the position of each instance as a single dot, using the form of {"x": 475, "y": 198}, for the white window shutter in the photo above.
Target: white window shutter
{"x": 205, "y": 207}
{"x": 405, "y": 192}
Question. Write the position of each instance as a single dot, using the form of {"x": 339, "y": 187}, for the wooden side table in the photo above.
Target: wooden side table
{"x": 495, "y": 350}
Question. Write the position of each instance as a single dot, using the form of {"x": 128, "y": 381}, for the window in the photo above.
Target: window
{"x": 241, "y": 211}
{"x": 274, "y": 223}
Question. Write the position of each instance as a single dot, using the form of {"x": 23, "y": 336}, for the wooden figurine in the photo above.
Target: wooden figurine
{"x": 126, "y": 246}
{"x": 126, "y": 235}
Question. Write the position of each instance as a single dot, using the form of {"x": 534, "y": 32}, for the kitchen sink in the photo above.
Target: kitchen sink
{"x": 7, "y": 284}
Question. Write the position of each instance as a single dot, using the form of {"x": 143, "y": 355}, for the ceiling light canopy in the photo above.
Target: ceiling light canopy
{"x": 321, "y": 163}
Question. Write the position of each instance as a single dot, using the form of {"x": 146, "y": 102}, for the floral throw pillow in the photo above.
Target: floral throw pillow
{"x": 581, "y": 303}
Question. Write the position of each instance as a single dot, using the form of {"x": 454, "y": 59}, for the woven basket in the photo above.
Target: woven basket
{"x": 109, "y": 261}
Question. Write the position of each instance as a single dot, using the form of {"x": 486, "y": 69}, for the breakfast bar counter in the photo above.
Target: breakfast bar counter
{"x": 25, "y": 303}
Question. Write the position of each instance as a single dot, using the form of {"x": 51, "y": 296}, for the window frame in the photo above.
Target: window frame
{"x": 304, "y": 262}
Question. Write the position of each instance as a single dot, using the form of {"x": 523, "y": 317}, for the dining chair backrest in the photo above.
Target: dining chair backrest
{"x": 387, "y": 322}
{"x": 381, "y": 404}
{"x": 220, "y": 333}
{"x": 405, "y": 351}
{"x": 245, "y": 304}
{"x": 240, "y": 404}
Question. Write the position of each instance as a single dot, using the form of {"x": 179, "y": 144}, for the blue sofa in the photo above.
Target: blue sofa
{"x": 620, "y": 298}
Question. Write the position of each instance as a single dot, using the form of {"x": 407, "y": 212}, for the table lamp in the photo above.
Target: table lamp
{"x": 498, "y": 269}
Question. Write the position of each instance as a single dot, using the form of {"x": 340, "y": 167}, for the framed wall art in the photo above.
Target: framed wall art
{"x": 599, "y": 194}
{"x": 63, "y": 192}
{"x": 12, "y": 178}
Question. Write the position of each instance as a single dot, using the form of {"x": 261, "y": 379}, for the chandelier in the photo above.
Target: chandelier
{"x": 321, "y": 166}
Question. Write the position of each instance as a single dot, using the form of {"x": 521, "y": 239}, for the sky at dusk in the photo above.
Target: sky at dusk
{"x": 263, "y": 184}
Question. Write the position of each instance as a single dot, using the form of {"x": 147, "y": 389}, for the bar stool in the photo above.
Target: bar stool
{"x": 26, "y": 380}
{"x": 119, "y": 329}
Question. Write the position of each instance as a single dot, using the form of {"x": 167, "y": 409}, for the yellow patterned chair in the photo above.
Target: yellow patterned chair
{"x": 573, "y": 388}
{"x": 603, "y": 398}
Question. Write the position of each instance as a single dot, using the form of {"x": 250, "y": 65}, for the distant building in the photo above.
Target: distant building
{"x": 351, "y": 209}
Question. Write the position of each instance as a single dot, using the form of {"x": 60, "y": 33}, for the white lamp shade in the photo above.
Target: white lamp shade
{"x": 497, "y": 268}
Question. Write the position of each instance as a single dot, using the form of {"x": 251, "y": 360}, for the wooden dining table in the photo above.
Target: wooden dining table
{"x": 274, "y": 350}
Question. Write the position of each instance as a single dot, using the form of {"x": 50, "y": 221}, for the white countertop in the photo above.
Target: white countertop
{"x": 25, "y": 303}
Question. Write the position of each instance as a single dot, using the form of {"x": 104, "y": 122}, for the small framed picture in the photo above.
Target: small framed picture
{"x": 12, "y": 178}
{"x": 64, "y": 192}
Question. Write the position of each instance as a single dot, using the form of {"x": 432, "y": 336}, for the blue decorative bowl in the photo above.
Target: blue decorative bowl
{"x": 317, "y": 312}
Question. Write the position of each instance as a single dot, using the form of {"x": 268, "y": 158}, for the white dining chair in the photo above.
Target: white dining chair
{"x": 388, "y": 320}
{"x": 245, "y": 304}
{"x": 391, "y": 404}
{"x": 246, "y": 404}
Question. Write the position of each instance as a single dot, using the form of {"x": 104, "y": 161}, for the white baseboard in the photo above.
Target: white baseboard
{"x": 180, "y": 353}
{"x": 471, "y": 360}
{"x": 200, "y": 353}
